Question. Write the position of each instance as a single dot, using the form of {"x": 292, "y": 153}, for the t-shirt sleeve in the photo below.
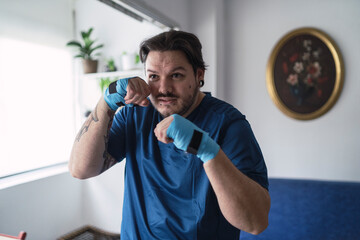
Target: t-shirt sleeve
{"x": 242, "y": 148}
{"x": 117, "y": 136}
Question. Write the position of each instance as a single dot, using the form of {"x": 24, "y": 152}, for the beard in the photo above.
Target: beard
{"x": 181, "y": 106}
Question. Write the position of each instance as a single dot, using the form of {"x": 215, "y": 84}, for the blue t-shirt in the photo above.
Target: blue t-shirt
{"x": 167, "y": 193}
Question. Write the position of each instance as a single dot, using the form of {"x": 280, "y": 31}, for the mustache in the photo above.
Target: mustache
{"x": 166, "y": 95}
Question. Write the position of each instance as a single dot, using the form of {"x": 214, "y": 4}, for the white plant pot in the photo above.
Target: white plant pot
{"x": 128, "y": 61}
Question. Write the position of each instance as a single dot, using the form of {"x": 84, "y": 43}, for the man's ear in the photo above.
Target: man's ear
{"x": 200, "y": 74}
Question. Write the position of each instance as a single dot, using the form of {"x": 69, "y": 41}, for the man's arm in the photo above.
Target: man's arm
{"x": 243, "y": 202}
{"x": 89, "y": 156}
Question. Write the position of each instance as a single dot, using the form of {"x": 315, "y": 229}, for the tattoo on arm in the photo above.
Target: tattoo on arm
{"x": 93, "y": 117}
{"x": 109, "y": 161}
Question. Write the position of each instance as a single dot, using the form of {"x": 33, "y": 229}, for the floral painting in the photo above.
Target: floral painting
{"x": 304, "y": 73}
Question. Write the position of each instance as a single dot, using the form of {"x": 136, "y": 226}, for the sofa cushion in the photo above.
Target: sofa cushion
{"x": 310, "y": 209}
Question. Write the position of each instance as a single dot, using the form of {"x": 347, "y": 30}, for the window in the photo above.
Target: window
{"x": 36, "y": 106}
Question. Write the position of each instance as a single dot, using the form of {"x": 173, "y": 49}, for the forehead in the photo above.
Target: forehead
{"x": 162, "y": 60}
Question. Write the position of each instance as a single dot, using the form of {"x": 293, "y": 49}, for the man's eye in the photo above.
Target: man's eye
{"x": 153, "y": 77}
{"x": 177, "y": 75}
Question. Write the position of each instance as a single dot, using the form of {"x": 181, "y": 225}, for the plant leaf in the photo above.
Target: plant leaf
{"x": 97, "y": 47}
{"x": 89, "y": 31}
{"x": 74, "y": 43}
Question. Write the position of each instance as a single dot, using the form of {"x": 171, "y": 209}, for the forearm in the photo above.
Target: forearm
{"x": 243, "y": 202}
{"x": 89, "y": 155}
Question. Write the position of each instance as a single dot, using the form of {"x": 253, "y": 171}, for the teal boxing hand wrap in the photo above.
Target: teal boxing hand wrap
{"x": 115, "y": 94}
{"x": 188, "y": 137}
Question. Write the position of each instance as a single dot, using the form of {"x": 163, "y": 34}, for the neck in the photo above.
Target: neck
{"x": 198, "y": 99}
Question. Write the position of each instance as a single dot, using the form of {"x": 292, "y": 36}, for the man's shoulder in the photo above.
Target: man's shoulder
{"x": 221, "y": 108}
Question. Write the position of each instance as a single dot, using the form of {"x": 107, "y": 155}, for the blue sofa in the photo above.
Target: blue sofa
{"x": 312, "y": 210}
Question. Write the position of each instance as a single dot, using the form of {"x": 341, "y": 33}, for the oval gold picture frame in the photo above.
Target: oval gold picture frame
{"x": 305, "y": 73}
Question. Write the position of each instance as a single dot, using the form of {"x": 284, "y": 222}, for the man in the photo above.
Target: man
{"x": 193, "y": 167}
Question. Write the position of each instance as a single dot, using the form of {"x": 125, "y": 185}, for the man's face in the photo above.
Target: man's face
{"x": 174, "y": 86}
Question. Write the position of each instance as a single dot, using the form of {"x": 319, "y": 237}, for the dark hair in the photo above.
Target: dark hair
{"x": 174, "y": 40}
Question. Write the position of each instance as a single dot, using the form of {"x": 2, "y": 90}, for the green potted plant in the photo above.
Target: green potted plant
{"x": 86, "y": 51}
{"x": 110, "y": 65}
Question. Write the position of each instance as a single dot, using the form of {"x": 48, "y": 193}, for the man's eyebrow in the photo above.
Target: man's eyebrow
{"x": 173, "y": 70}
{"x": 149, "y": 70}
{"x": 178, "y": 68}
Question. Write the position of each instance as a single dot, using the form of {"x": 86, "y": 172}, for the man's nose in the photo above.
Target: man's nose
{"x": 165, "y": 85}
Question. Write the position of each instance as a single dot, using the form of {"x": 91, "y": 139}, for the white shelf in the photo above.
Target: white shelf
{"x": 117, "y": 74}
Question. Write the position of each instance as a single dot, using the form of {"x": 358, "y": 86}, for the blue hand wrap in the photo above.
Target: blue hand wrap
{"x": 115, "y": 94}
{"x": 182, "y": 131}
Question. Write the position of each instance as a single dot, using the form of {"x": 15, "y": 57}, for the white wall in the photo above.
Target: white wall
{"x": 45, "y": 209}
{"x": 37, "y": 21}
{"x": 178, "y": 10}
{"x": 324, "y": 148}
{"x": 208, "y": 24}
{"x": 204, "y": 26}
